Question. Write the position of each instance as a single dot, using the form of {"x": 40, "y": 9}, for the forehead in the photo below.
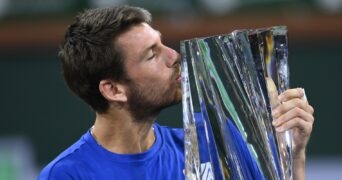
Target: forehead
{"x": 137, "y": 38}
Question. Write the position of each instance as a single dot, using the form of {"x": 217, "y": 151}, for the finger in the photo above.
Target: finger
{"x": 292, "y": 114}
{"x": 272, "y": 92}
{"x": 289, "y": 105}
{"x": 304, "y": 126}
{"x": 291, "y": 93}
{"x": 304, "y": 95}
{"x": 311, "y": 109}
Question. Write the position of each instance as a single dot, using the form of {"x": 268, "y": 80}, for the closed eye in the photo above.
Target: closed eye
{"x": 151, "y": 57}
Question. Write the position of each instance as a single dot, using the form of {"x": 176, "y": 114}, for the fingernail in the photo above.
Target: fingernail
{"x": 301, "y": 91}
{"x": 304, "y": 95}
{"x": 275, "y": 122}
{"x": 275, "y": 113}
{"x": 279, "y": 129}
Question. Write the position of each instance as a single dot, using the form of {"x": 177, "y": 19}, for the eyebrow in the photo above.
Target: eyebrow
{"x": 160, "y": 34}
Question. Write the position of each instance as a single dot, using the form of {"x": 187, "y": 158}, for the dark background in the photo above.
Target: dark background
{"x": 36, "y": 104}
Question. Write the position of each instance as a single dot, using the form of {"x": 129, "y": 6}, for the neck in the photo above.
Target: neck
{"x": 120, "y": 133}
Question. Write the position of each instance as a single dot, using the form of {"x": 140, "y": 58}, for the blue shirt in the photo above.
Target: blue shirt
{"x": 88, "y": 160}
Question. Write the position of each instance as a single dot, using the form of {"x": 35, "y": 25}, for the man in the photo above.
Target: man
{"x": 115, "y": 61}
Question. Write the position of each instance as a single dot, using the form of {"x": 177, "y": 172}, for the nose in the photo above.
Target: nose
{"x": 172, "y": 57}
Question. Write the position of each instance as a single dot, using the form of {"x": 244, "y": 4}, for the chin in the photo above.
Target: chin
{"x": 177, "y": 98}
{"x": 172, "y": 97}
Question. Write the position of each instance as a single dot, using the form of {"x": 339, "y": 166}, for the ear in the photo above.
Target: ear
{"x": 112, "y": 91}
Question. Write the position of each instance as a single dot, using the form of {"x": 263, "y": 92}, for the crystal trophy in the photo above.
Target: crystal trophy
{"x": 226, "y": 84}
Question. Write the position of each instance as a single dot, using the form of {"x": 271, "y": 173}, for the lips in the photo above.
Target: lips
{"x": 179, "y": 77}
{"x": 178, "y": 74}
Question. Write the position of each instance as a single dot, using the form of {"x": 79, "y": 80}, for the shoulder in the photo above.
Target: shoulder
{"x": 170, "y": 136}
{"x": 67, "y": 164}
{"x": 169, "y": 131}
{"x": 62, "y": 169}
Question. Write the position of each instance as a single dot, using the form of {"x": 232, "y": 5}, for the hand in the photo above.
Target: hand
{"x": 294, "y": 112}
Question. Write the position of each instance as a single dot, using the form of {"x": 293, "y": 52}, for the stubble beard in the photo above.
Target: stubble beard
{"x": 145, "y": 103}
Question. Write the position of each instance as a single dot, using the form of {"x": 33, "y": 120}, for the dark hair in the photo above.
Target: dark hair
{"x": 89, "y": 53}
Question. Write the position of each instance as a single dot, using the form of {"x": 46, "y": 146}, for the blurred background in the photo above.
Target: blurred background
{"x": 40, "y": 117}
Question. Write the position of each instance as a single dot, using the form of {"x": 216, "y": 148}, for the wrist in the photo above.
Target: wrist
{"x": 299, "y": 165}
{"x": 300, "y": 155}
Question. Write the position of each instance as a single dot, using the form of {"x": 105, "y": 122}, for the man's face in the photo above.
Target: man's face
{"x": 153, "y": 70}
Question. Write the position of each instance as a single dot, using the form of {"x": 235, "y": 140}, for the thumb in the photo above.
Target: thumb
{"x": 272, "y": 92}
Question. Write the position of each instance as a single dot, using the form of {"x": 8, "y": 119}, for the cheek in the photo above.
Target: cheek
{"x": 160, "y": 72}
{"x": 153, "y": 79}
{"x": 153, "y": 72}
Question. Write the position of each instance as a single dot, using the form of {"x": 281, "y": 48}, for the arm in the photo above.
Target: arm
{"x": 299, "y": 167}
{"x": 294, "y": 112}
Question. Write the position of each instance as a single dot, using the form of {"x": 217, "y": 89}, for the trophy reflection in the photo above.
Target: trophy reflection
{"x": 229, "y": 83}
